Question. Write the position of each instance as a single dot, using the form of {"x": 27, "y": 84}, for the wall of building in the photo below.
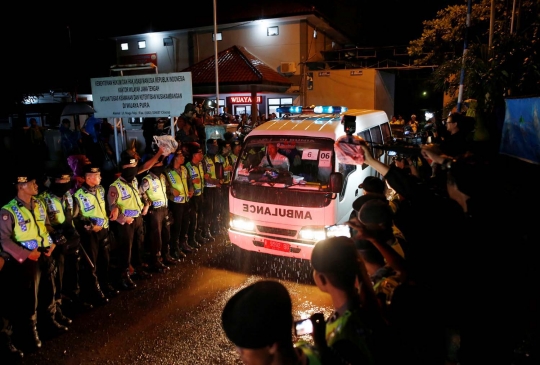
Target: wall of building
{"x": 169, "y": 58}
{"x": 272, "y": 50}
{"x": 353, "y": 88}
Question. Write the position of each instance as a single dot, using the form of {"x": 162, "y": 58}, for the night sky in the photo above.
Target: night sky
{"x": 61, "y": 45}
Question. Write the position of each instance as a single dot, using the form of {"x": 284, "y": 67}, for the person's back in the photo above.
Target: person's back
{"x": 356, "y": 331}
{"x": 258, "y": 321}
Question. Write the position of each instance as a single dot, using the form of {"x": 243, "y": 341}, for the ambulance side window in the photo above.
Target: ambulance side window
{"x": 346, "y": 170}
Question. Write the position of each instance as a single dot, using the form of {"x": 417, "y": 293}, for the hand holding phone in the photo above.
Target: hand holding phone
{"x": 303, "y": 327}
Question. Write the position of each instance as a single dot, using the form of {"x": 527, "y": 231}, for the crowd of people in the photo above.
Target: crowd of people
{"x": 75, "y": 237}
{"x": 437, "y": 271}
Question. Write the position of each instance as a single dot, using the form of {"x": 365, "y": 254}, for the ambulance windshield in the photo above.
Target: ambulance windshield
{"x": 294, "y": 163}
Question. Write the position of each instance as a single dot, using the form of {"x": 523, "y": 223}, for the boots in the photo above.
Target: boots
{"x": 51, "y": 328}
{"x": 169, "y": 260}
{"x": 8, "y": 351}
{"x": 110, "y": 291}
{"x": 60, "y": 318}
{"x": 206, "y": 234}
{"x": 186, "y": 248}
{"x": 194, "y": 244}
{"x": 99, "y": 297}
{"x": 126, "y": 283}
{"x": 200, "y": 239}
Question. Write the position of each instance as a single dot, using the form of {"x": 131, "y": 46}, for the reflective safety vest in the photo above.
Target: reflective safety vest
{"x": 309, "y": 351}
{"x": 180, "y": 183}
{"x": 210, "y": 163}
{"x": 128, "y": 201}
{"x": 55, "y": 208}
{"x": 196, "y": 172}
{"x": 93, "y": 207}
{"x": 156, "y": 193}
{"x": 29, "y": 230}
{"x": 230, "y": 160}
{"x": 350, "y": 326}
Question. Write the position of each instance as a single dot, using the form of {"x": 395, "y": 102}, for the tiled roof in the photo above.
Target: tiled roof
{"x": 236, "y": 66}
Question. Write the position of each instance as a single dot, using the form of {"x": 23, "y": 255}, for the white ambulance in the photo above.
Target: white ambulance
{"x": 283, "y": 208}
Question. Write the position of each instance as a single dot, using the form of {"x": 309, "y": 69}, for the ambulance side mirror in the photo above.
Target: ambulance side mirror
{"x": 336, "y": 182}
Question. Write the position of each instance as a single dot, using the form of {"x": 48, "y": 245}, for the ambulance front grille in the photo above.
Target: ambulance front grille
{"x": 277, "y": 231}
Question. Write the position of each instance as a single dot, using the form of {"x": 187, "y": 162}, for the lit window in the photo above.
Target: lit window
{"x": 272, "y": 31}
{"x": 124, "y": 46}
{"x": 167, "y": 42}
{"x": 142, "y": 44}
{"x": 219, "y": 37}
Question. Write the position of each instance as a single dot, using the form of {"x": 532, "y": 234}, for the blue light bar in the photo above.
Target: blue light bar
{"x": 329, "y": 109}
{"x": 290, "y": 109}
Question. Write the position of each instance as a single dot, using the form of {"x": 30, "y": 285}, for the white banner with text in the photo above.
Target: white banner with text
{"x": 142, "y": 96}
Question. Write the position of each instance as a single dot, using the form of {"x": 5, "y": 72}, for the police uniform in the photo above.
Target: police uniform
{"x": 92, "y": 222}
{"x": 196, "y": 172}
{"x": 228, "y": 164}
{"x": 212, "y": 189}
{"x": 153, "y": 189}
{"x": 60, "y": 210}
{"x": 179, "y": 192}
{"x": 124, "y": 197}
{"x": 25, "y": 237}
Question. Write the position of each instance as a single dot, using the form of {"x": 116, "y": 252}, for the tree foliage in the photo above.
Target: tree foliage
{"x": 510, "y": 68}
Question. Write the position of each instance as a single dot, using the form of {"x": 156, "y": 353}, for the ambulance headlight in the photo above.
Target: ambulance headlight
{"x": 241, "y": 223}
{"x": 315, "y": 233}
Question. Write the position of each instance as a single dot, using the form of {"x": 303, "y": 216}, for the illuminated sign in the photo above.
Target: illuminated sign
{"x": 357, "y": 73}
{"x": 244, "y": 99}
{"x": 324, "y": 73}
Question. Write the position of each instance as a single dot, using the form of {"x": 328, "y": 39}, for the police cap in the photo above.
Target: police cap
{"x": 126, "y": 158}
{"x": 258, "y": 315}
{"x": 22, "y": 176}
{"x": 91, "y": 169}
{"x": 60, "y": 174}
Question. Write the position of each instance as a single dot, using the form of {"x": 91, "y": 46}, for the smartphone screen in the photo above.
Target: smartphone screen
{"x": 303, "y": 327}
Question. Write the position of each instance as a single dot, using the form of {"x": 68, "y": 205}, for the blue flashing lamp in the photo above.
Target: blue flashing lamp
{"x": 290, "y": 109}
{"x": 327, "y": 109}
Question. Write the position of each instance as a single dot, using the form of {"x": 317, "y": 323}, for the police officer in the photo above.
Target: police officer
{"x": 127, "y": 209}
{"x": 228, "y": 164}
{"x": 212, "y": 164}
{"x": 25, "y": 237}
{"x": 179, "y": 192}
{"x": 92, "y": 222}
{"x": 153, "y": 190}
{"x": 196, "y": 223}
{"x": 59, "y": 204}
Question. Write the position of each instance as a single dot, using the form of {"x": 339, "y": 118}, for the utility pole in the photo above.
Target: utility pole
{"x": 465, "y": 46}
{"x": 216, "y": 56}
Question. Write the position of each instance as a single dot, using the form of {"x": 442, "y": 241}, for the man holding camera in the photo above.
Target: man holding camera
{"x": 25, "y": 234}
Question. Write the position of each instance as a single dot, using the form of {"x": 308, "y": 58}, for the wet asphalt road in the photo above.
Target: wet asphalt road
{"x": 174, "y": 318}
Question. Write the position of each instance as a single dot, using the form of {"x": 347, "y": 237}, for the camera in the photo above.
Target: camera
{"x": 349, "y": 124}
{"x": 303, "y": 327}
